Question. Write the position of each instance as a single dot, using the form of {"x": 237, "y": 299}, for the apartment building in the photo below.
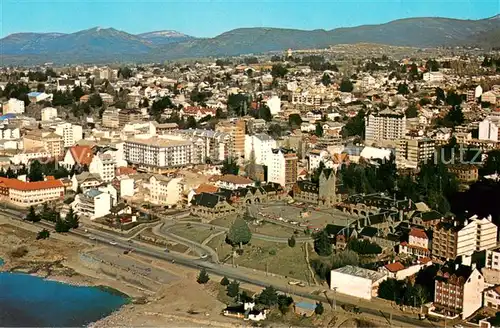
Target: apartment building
{"x": 13, "y": 106}
{"x": 49, "y": 113}
{"x": 9, "y": 132}
{"x": 110, "y": 118}
{"x": 493, "y": 259}
{"x": 413, "y": 152}
{"x": 282, "y": 167}
{"x": 488, "y": 128}
{"x": 259, "y": 147}
{"x": 53, "y": 143}
{"x": 237, "y": 132}
{"x": 104, "y": 165}
{"x": 466, "y": 173}
{"x": 71, "y": 133}
{"x": 127, "y": 116}
{"x": 452, "y": 239}
{"x": 386, "y": 125}
{"x": 159, "y": 152}
{"x": 458, "y": 290}
{"x": 165, "y": 191}
{"x": 209, "y": 144}
{"x": 92, "y": 203}
{"x": 27, "y": 194}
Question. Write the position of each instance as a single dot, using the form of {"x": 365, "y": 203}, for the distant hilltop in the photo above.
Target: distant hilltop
{"x": 110, "y": 45}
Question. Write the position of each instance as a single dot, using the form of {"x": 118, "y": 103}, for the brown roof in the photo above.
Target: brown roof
{"x": 38, "y": 185}
{"x": 236, "y": 179}
{"x": 82, "y": 154}
{"x": 394, "y": 267}
{"x": 207, "y": 188}
{"x": 419, "y": 233}
{"x": 124, "y": 170}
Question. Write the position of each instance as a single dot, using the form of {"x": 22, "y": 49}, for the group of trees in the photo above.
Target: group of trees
{"x": 238, "y": 104}
{"x": 38, "y": 171}
{"x": 71, "y": 221}
{"x": 403, "y": 292}
{"x": 317, "y": 63}
{"x": 355, "y": 126}
{"x": 230, "y": 166}
{"x": 364, "y": 247}
{"x": 323, "y": 266}
{"x": 279, "y": 71}
{"x": 346, "y": 85}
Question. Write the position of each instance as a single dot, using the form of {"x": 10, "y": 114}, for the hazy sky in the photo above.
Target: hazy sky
{"x": 209, "y": 18}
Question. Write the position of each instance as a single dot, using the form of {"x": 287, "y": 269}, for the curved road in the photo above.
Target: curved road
{"x": 273, "y": 239}
{"x": 230, "y": 272}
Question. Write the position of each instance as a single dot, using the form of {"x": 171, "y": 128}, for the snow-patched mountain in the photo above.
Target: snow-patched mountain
{"x": 164, "y": 37}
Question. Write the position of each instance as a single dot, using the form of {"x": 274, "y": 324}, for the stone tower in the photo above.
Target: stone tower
{"x": 327, "y": 195}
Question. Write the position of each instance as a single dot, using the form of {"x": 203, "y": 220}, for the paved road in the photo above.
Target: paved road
{"x": 230, "y": 272}
{"x": 273, "y": 239}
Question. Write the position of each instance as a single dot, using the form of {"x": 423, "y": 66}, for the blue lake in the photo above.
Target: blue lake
{"x": 29, "y": 301}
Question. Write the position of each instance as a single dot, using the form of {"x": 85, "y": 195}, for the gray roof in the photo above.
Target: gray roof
{"x": 360, "y": 272}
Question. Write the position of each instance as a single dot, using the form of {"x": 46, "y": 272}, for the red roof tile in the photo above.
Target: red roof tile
{"x": 82, "y": 154}
{"x": 394, "y": 267}
{"x": 38, "y": 185}
{"x": 419, "y": 233}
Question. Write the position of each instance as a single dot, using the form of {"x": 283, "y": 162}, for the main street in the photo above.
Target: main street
{"x": 368, "y": 307}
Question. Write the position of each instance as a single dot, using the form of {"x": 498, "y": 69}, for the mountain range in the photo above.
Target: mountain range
{"x": 99, "y": 45}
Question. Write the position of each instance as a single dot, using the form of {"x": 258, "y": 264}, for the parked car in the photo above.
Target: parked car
{"x": 112, "y": 242}
{"x": 204, "y": 256}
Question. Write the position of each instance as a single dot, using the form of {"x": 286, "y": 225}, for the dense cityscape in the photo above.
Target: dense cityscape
{"x": 349, "y": 186}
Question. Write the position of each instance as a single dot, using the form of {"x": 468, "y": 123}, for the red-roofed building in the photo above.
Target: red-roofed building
{"x": 26, "y": 194}
{"x": 77, "y": 155}
{"x": 124, "y": 170}
{"x": 417, "y": 245}
{"x": 397, "y": 270}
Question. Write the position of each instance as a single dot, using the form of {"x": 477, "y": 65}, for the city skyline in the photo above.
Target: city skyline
{"x": 58, "y": 16}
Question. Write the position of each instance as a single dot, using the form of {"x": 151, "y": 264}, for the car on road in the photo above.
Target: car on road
{"x": 167, "y": 250}
{"x": 204, "y": 256}
{"x": 112, "y": 242}
{"x": 91, "y": 237}
{"x": 294, "y": 283}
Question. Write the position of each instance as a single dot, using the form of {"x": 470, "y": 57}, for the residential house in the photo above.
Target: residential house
{"x": 417, "y": 244}
{"x": 232, "y": 182}
{"x": 166, "y": 191}
{"x": 79, "y": 156}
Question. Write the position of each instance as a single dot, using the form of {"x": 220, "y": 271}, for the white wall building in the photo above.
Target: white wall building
{"x": 282, "y": 167}
{"x": 385, "y": 125}
{"x": 261, "y": 145}
{"x": 433, "y": 77}
{"x": 104, "y": 165}
{"x": 164, "y": 190}
{"x": 49, "y": 113}
{"x": 92, "y": 203}
{"x": 488, "y": 128}
{"x": 356, "y": 281}
{"x": 13, "y": 106}
{"x": 274, "y": 104}
{"x": 159, "y": 152}
{"x": 71, "y": 133}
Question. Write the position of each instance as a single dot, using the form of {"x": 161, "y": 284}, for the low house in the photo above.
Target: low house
{"x": 399, "y": 271}
{"x": 356, "y": 281}
{"x": 246, "y": 311}
{"x": 231, "y": 181}
{"x": 492, "y": 298}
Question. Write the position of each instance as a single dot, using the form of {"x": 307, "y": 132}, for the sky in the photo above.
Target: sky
{"x": 204, "y": 18}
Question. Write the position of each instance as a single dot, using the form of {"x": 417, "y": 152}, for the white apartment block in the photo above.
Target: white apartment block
{"x": 71, "y": 133}
{"x": 433, "y": 77}
{"x": 159, "y": 152}
{"x": 488, "y": 128}
{"x": 49, "y": 113}
{"x": 493, "y": 259}
{"x": 92, "y": 203}
{"x": 478, "y": 234}
{"x": 104, "y": 165}
{"x": 384, "y": 126}
{"x": 208, "y": 143}
{"x": 9, "y": 133}
{"x": 261, "y": 145}
{"x": 164, "y": 190}
{"x": 282, "y": 167}
{"x": 13, "y": 106}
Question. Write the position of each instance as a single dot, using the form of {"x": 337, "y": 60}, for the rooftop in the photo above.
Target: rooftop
{"x": 360, "y": 272}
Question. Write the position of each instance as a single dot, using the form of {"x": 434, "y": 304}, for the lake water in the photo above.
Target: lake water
{"x": 29, "y": 301}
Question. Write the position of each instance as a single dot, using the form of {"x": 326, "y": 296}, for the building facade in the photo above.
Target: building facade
{"x": 282, "y": 167}
{"x": 385, "y": 125}
{"x": 411, "y": 153}
{"x": 27, "y": 194}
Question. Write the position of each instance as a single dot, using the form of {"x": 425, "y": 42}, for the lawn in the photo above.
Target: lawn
{"x": 279, "y": 258}
{"x": 194, "y": 233}
{"x": 224, "y": 222}
{"x": 270, "y": 229}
